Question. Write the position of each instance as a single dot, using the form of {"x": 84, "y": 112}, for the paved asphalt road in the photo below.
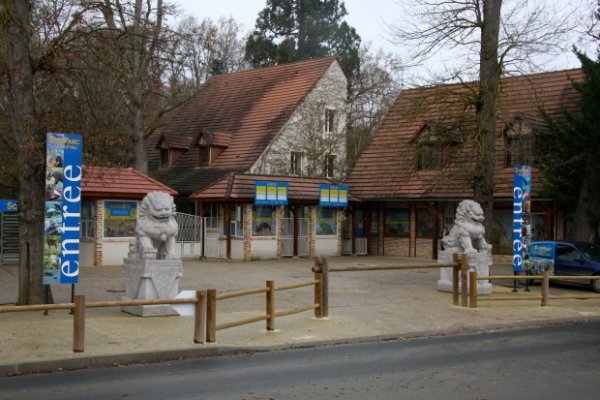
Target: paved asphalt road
{"x": 558, "y": 362}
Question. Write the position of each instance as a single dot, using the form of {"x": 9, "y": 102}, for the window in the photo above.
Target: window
{"x": 429, "y": 150}
{"x": 203, "y": 155}
{"x": 424, "y": 224}
{"x": 519, "y": 143}
{"x": 213, "y": 217}
{"x": 326, "y": 221}
{"x": 164, "y": 157}
{"x": 329, "y": 121}
{"x": 264, "y": 221}
{"x": 88, "y": 219}
{"x": 429, "y": 157}
{"x": 397, "y": 222}
{"x": 120, "y": 218}
{"x": 296, "y": 163}
{"x": 330, "y": 165}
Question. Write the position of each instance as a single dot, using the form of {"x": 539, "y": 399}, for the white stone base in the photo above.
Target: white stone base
{"x": 149, "y": 280}
{"x": 154, "y": 310}
{"x": 479, "y": 262}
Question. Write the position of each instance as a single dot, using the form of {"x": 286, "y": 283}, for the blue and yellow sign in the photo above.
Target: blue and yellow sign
{"x": 269, "y": 193}
{"x": 333, "y": 196}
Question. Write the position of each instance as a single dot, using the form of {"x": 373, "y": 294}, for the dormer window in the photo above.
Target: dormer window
{"x": 164, "y": 157}
{"x": 203, "y": 156}
{"x": 329, "y": 121}
{"x": 429, "y": 151}
{"x": 519, "y": 143}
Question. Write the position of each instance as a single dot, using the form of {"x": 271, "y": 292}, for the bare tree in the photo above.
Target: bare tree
{"x": 372, "y": 92}
{"x": 211, "y": 48}
{"x": 133, "y": 32}
{"x": 485, "y": 39}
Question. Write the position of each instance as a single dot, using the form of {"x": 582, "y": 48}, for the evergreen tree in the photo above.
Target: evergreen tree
{"x": 292, "y": 30}
{"x": 570, "y": 156}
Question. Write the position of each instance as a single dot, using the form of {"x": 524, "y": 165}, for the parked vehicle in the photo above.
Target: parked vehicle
{"x": 564, "y": 258}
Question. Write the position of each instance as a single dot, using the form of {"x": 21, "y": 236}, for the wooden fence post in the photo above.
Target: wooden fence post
{"x": 325, "y": 289}
{"x": 545, "y": 288}
{"x": 79, "y": 324}
{"x": 318, "y": 298}
{"x": 211, "y": 315}
{"x": 321, "y": 270}
{"x": 199, "y": 317}
{"x": 473, "y": 289}
{"x": 464, "y": 279}
{"x": 455, "y": 271}
{"x": 271, "y": 305}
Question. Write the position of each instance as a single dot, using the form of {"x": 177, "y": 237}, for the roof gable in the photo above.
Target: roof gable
{"x": 387, "y": 168}
{"x": 243, "y": 111}
{"x": 104, "y": 182}
{"x": 240, "y": 113}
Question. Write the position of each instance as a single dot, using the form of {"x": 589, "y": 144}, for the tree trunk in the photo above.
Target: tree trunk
{"x": 29, "y": 144}
{"x": 585, "y": 223}
{"x": 489, "y": 76}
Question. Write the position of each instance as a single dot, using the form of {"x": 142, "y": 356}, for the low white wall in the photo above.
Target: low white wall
{"x": 237, "y": 249}
{"x": 86, "y": 253}
{"x": 264, "y": 249}
{"x": 114, "y": 251}
{"x": 326, "y": 246}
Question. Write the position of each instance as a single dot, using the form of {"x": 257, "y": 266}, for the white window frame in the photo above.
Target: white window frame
{"x": 330, "y": 116}
{"x": 330, "y": 165}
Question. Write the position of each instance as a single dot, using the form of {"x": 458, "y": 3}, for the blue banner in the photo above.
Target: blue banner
{"x": 9, "y": 206}
{"x": 521, "y": 217}
{"x": 268, "y": 193}
{"x": 63, "y": 208}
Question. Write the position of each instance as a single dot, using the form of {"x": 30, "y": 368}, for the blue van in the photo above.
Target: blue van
{"x": 563, "y": 258}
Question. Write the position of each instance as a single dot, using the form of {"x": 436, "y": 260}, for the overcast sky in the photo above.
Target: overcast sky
{"x": 370, "y": 18}
{"x": 366, "y": 16}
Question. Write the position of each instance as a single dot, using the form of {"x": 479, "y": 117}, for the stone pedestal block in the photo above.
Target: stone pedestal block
{"x": 149, "y": 280}
{"x": 480, "y": 262}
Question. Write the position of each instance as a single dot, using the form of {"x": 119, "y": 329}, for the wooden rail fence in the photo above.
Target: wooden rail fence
{"x": 270, "y": 313}
{"x": 460, "y": 276}
{"x": 205, "y": 315}
{"x": 545, "y": 292}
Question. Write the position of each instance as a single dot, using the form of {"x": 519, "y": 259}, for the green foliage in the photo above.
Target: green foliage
{"x": 292, "y": 30}
{"x": 569, "y": 146}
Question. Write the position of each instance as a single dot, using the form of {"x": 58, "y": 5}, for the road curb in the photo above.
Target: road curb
{"x": 115, "y": 360}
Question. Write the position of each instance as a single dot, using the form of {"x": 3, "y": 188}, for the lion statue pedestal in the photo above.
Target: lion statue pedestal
{"x": 153, "y": 267}
{"x": 467, "y": 236}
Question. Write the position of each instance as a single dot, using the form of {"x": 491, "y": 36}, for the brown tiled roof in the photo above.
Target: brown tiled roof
{"x": 119, "y": 183}
{"x": 239, "y": 187}
{"x": 387, "y": 169}
{"x": 242, "y": 111}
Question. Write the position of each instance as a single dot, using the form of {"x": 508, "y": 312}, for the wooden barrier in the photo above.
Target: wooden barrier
{"x": 79, "y": 305}
{"x": 270, "y": 313}
{"x": 459, "y": 267}
{"x": 545, "y": 292}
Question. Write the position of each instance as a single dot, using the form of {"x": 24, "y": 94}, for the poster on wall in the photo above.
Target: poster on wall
{"x": 119, "y": 218}
{"x": 62, "y": 208}
{"x": 521, "y": 218}
{"x": 326, "y": 221}
{"x": 264, "y": 221}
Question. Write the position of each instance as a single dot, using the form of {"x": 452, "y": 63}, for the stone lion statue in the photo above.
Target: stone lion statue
{"x": 467, "y": 233}
{"x": 156, "y": 228}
